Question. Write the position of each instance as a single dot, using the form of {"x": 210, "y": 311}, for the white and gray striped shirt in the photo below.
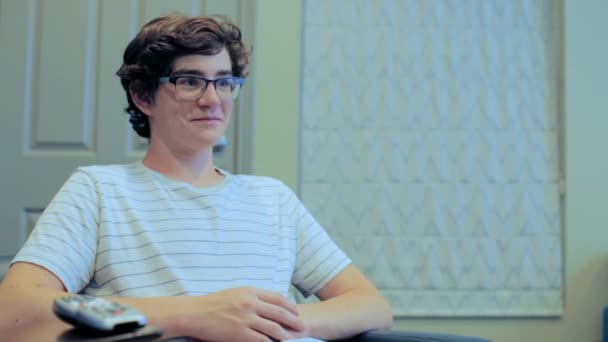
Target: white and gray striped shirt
{"x": 125, "y": 230}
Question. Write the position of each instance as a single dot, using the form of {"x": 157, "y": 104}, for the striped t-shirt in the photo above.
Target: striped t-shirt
{"x": 125, "y": 230}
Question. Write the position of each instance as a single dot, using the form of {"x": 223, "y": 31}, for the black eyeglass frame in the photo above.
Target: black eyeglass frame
{"x": 173, "y": 79}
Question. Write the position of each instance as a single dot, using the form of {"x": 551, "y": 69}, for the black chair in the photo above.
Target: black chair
{"x": 410, "y": 336}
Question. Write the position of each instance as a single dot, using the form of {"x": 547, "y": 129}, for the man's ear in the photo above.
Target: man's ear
{"x": 142, "y": 103}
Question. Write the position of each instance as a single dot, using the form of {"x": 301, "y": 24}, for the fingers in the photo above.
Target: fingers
{"x": 280, "y": 316}
{"x": 255, "y": 336}
{"x": 277, "y": 299}
{"x": 271, "y": 329}
{"x": 275, "y": 316}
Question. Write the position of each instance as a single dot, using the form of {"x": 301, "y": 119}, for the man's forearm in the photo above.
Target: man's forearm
{"x": 32, "y": 307}
{"x": 347, "y": 315}
{"x": 239, "y": 314}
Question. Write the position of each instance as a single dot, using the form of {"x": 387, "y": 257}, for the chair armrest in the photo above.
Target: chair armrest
{"x": 410, "y": 336}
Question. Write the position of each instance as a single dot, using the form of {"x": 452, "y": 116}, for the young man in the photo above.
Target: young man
{"x": 203, "y": 253}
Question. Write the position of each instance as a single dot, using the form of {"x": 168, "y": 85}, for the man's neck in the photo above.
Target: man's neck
{"x": 197, "y": 168}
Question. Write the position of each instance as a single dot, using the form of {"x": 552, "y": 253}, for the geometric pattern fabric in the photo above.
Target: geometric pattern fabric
{"x": 429, "y": 149}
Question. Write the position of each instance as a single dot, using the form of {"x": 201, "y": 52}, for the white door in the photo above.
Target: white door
{"x": 61, "y": 103}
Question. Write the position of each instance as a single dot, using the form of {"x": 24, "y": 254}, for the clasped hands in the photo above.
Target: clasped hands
{"x": 243, "y": 314}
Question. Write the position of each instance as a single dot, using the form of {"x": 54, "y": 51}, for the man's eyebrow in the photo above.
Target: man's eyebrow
{"x": 196, "y": 72}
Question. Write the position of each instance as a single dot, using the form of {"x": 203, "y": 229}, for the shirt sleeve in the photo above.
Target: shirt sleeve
{"x": 64, "y": 239}
{"x": 318, "y": 258}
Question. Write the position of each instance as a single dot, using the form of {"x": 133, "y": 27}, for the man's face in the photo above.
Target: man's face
{"x": 190, "y": 126}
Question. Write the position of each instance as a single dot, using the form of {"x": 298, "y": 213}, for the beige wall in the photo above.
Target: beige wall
{"x": 276, "y": 63}
{"x": 277, "y": 58}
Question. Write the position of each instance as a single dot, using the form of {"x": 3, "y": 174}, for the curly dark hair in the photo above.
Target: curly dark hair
{"x": 151, "y": 53}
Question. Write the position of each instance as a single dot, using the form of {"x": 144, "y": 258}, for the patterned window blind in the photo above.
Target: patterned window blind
{"x": 429, "y": 149}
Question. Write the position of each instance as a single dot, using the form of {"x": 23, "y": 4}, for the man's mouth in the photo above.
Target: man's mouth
{"x": 207, "y": 119}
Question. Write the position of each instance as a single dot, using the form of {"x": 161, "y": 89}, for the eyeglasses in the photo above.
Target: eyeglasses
{"x": 189, "y": 87}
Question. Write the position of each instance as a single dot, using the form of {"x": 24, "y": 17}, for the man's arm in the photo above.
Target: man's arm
{"x": 350, "y": 304}
{"x": 242, "y": 314}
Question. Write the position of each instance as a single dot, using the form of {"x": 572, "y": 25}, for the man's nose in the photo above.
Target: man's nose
{"x": 210, "y": 96}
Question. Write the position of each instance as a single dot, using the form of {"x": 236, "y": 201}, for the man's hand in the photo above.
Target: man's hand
{"x": 243, "y": 314}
